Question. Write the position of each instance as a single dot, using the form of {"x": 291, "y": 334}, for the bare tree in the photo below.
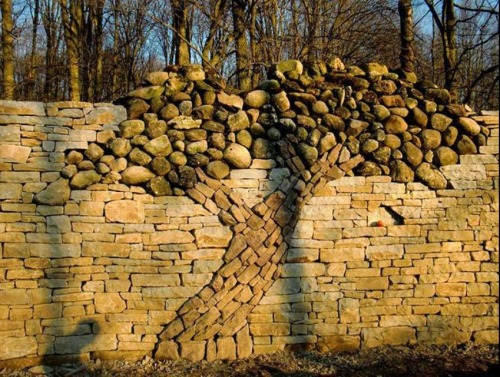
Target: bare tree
{"x": 181, "y": 10}
{"x": 407, "y": 55}
{"x": 8, "y": 50}
{"x": 446, "y": 24}
{"x": 240, "y": 10}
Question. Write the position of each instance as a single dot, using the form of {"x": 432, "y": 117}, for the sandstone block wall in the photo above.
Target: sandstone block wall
{"x": 112, "y": 271}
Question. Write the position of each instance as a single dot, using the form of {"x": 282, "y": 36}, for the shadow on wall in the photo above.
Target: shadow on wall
{"x": 73, "y": 347}
{"x": 63, "y": 340}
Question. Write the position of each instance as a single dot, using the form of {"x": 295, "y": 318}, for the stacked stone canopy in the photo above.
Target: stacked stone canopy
{"x": 179, "y": 121}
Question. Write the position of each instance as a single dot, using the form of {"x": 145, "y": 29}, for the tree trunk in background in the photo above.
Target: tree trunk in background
{"x": 211, "y": 53}
{"x": 239, "y": 9}
{"x": 30, "y": 90}
{"x": 116, "y": 37}
{"x": 8, "y": 50}
{"x": 446, "y": 24}
{"x": 91, "y": 40}
{"x": 71, "y": 17}
{"x": 407, "y": 55}
{"x": 180, "y": 9}
{"x": 450, "y": 48}
{"x": 98, "y": 56}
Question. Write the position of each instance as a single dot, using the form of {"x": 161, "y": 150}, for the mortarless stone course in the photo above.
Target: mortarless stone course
{"x": 269, "y": 257}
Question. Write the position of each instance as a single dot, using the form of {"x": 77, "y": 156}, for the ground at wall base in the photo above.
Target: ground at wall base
{"x": 465, "y": 360}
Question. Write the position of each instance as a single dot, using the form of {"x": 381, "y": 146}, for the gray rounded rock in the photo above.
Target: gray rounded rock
{"x": 469, "y": 126}
{"x": 139, "y": 157}
{"x": 217, "y": 140}
{"x": 238, "y": 121}
{"x": 400, "y": 172}
{"x": 267, "y": 119}
{"x": 450, "y": 136}
{"x": 413, "y": 154}
{"x": 308, "y": 153}
{"x": 281, "y": 101}
{"x": 159, "y": 186}
{"x": 120, "y": 147}
{"x": 74, "y": 157}
{"x": 431, "y": 139}
{"x": 237, "y": 156}
{"x": 465, "y": 145}
{"x": 84, "y": 179}
{"x": 381, "y": 112}
{"x": 382, "y": 155}
{"x": 134, "y": 175}
{"x": 419, "y": 118}
{"x": 56, "y": 193}
{"x": 369, "y": 169}
{"x": 197, "y": 147}
{"x": 185, "y": 108}
{"x": 262, "y": 149}
{"x": 257, "y": 98}
{"x": 327, "y": 143}
{"x": 395, "y": 125}
{"x": 445, "y": 156}
{"x": 440, "y": 122}
{"x": 160, "y": 166}
{"x": 392, "y": 141}
{"x": 187, "y": 177}
{"x": 130, "y": 128}
{"x": 369, "y": 146}
{"x": 178, "y": 158}
{"x": 273, "y": 134}
{"x": 217, "y": 169}
{"x": 94, "y": 152}
{"x": 169, "y": 112}
{"x": 244, "y": 138}
{"x": 159, "y": 147}
{"x": 196, "y": 134}
{"x": 272, "y": 86}
{"x": 431, "y": 177}
{"x": 321, "y": 108}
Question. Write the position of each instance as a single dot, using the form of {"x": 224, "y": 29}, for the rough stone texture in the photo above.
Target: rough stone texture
{"x": 207, "y": 273}
{"x": 14, "y": 153}
{"x": 213, "y": 237}
{"x": 57, "y": 193}
{"x": 237, "y": 156}
{"x": 136, "y": 174}
{"x": 124, "y": 212}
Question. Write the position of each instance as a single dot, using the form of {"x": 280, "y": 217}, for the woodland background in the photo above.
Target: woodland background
{"x": 98, "y": 50}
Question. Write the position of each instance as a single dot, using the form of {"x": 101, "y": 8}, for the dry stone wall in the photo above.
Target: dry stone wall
{"x": 287, "y": 252}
